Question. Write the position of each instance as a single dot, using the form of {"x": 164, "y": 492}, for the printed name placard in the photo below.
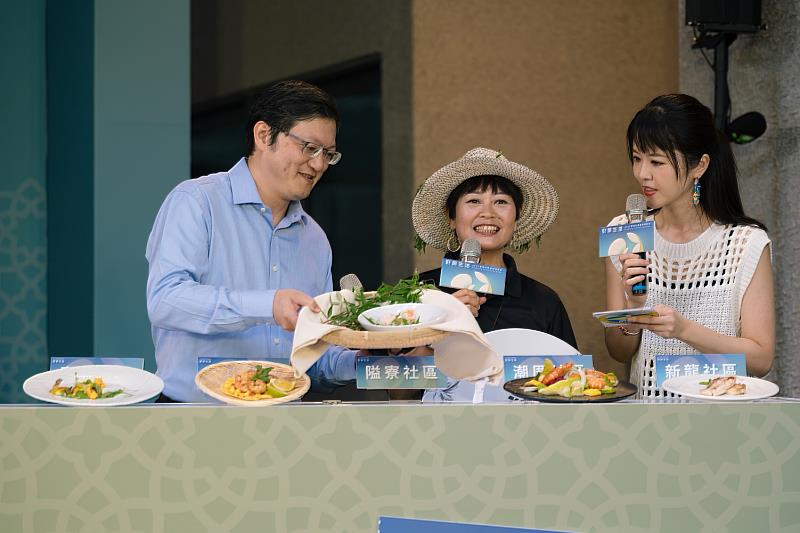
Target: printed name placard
{"x": 398, "y": 372}
{"x": 473, "y": 276}
{"x": 205, "y": 361}
{"x": 57, "y": 361}
{"x": 711, "y": 365}
{"x": 626, "y": 238}
{"x": 390, "y": 524}
{"x": 530, "y": 366}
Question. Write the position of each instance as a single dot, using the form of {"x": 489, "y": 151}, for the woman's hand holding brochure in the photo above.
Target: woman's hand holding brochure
{"x": 622, "y": 317}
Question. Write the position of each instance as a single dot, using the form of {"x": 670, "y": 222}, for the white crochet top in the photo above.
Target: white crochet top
{"x": 704, "y": 280}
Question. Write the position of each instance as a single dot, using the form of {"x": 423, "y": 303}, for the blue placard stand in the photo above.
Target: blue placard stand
{"x": 58, "y": 361}
{"x": 391, "y": 524}
{"x": 205, "y": 361}
{"x": 398, "y": 372}
{"x": 707, "y": 365}
{"x": 529, "y": 366}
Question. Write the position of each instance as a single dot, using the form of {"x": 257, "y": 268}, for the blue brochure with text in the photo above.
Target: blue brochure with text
{"x": 473, "y": 276}
{"x": 626, "y": 238}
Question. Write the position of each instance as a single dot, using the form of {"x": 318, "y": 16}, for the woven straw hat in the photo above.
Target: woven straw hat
{"x": 539, "y": 205}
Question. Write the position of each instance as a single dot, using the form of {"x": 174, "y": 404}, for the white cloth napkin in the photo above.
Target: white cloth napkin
{"x": 464, "y": 354}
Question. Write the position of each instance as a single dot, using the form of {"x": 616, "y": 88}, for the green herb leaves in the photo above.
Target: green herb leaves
{"x": 405, "y": 291}
{"x": 262, "y": 373}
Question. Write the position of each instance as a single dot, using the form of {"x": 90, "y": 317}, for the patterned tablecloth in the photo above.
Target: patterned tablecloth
{"x": 614, "y": 467}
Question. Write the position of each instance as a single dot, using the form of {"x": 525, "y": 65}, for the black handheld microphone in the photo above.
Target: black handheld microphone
{"x": 350, "y": 282}
{"x": 636, "y": 211}
{"x": 470, "y": 251}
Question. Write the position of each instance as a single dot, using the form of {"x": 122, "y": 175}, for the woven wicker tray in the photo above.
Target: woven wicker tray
{"x": 211, "y": 378}
{"x": 384, "y": 339}
{"x": 408, "y": 338}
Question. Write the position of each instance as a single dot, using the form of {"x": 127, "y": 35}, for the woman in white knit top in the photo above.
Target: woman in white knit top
{"x": 710, "y": 275}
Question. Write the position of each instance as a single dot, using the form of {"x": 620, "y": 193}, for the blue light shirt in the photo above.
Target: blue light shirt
{"x": 215, "y": 263}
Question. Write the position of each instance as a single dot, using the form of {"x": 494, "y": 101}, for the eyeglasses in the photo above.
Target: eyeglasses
{"x": 312, "y": 150}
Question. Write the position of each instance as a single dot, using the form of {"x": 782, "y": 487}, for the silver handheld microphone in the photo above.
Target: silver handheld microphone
{"x": 350, "y": 282}
{"x": 636, "y": 211}
{"x": 636, "y": 208}
{"x": 470, "y": 251}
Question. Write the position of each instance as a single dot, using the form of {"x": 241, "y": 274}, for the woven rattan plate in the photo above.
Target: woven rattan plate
{"x": 211, "y": 378}
{"x": 384, "y": 339}
{"x": 407, "y": 338}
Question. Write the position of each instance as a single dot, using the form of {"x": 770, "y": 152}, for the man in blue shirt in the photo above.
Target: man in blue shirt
{"x": 233, "y": 256}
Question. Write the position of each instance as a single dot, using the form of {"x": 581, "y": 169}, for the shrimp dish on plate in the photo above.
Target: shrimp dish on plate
{"x": 257, "y": 384}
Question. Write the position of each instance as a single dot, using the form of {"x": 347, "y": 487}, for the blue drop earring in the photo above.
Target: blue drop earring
{"x": 696, "y": 192}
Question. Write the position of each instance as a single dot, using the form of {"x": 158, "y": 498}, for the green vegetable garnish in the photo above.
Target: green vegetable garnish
{"x": 88, "y": 389}
{"x": 262, "y": 373}
{"x": 405, "y": 291}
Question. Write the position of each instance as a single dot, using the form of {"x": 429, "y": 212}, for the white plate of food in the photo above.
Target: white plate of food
{"x": 399, "y": 317}
{"x": 94, "y": 385}
{"x": 720, "y": 388}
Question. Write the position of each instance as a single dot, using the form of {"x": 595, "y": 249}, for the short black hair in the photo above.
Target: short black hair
{"x": 285, "y": 103}
{"x": 481, "y": 184}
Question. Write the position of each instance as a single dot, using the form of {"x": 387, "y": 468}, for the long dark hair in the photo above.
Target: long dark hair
{"x": 678, "y": 124}
{"x": 284, "y": 104}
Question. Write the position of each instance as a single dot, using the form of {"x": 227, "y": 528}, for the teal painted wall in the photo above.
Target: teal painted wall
{"x": 23, "y": 245}
{"x": 70, "y": 177}
{"x": 142, "y": 135}
{"x": 118, "y": 105}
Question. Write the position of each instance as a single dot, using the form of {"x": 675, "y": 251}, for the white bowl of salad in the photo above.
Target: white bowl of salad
{"x": 398, "y": 317}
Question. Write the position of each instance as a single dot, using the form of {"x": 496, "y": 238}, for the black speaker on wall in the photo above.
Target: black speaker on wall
{"x": 734, "y": 16}
{"x": 716, "y": 25}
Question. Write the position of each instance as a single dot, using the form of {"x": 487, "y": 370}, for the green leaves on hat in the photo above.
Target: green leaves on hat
{"x": 419, "y": 244}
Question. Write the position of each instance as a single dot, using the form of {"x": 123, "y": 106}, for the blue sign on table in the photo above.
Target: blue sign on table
{"x": 398, "y": 372}
{"x": 57, "y": 362}
{"x": 473, "y": 276}
{"x": 717, "y": 364}
{"x": 390, "y": 524}
{"x": 530, "y": 366}
{"x": 626, "y": 238}
{"x": 203, "y": 362}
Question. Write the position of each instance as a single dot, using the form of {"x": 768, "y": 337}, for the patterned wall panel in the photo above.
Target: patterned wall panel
{"x": 23, "y": 152}
{"x": 23, "y": 301}
{"x": 633, "y": 467}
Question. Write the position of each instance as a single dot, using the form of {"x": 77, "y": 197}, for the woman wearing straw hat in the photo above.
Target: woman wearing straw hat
{"x": 505, "y": 206}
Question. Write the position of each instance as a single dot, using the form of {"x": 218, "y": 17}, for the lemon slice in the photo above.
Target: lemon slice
{"x": 560, "y": 388}
{"x": 279, "y": 387}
